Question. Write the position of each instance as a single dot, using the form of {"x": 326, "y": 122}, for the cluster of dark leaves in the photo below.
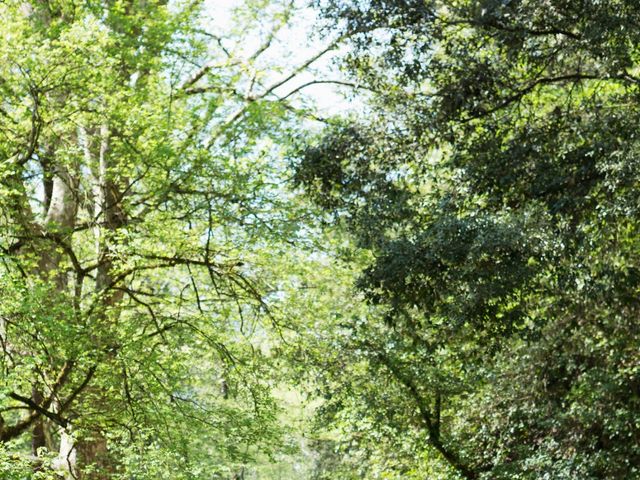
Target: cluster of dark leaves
{"x": 523, "y": 231}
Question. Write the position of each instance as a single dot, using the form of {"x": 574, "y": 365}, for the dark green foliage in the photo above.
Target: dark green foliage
{"x": 497, "y": 189}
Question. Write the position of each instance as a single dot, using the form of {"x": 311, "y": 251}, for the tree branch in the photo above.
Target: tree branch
{"x": 430, "y": 419}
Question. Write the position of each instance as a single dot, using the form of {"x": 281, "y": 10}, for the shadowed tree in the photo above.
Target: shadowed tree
{"x": 494, "y": 184}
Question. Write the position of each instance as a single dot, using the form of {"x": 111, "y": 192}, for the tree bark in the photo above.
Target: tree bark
{"x": 108, "y": 217}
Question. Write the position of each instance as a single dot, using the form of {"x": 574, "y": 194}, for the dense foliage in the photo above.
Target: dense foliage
{"x": 494, "y": 180}
{"x": 143, "y": 225}
{"x": 198, "y": 282}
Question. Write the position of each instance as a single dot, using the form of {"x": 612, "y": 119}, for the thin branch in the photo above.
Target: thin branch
{"x": 38, "y": 409}
{"x": 321, "y": 82}
{"x": 272, "y": 34}
{"x": 430, "y": 419}
{"x": 575, "y": 77}
{"x": 294, "y": 73}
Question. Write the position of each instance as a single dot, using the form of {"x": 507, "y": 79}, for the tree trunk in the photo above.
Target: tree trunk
{"x": 92, "y": 451}
{"x": 62, "y": 208}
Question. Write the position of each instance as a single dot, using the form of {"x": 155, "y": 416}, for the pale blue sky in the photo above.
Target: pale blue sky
{"x": 292, "y": 47}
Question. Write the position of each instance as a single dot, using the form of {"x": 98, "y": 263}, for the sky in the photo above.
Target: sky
{"x": 293, "y": 46}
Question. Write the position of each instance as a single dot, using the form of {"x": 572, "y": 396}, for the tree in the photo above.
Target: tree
{"x": 493, "y": 183}
{"x": 140, "y": 203}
